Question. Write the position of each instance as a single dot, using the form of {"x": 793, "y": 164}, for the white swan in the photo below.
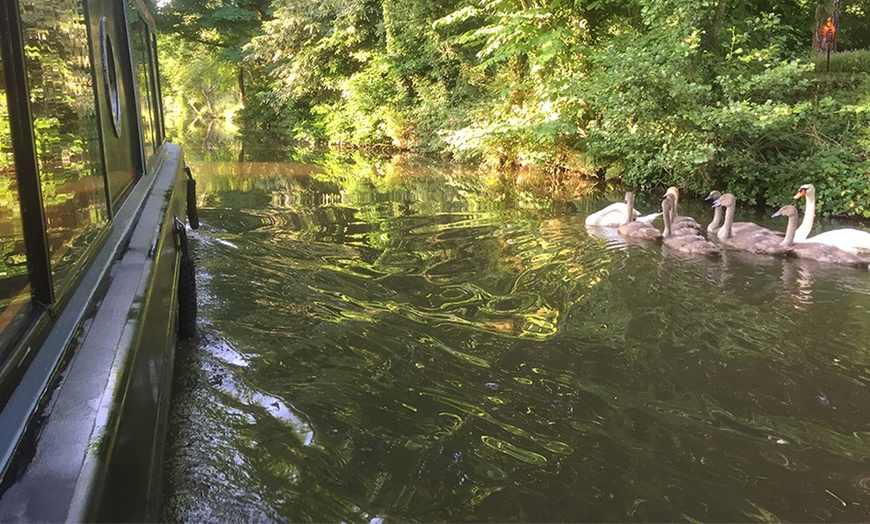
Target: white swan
{"x": 614, "y": 215}
{"x": 814, "y": 250}
{"x": 803, "y": 231}
{"x": 851, "y": 240}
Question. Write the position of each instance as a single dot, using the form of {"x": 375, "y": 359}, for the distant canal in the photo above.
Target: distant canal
{"x": 412, "y": 346}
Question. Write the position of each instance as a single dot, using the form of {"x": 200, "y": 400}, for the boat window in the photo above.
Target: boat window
{"x": 140, "y": 36}
{"x": 14, "y": 281}
{"x": 66, "y": 131}
{"x": 159, "y": 122}
{"x": 117, "y": 104}
{"x": 110, "y": 73}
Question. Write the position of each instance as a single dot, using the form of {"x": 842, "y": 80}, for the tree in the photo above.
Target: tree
{"x": 222, "y": 27}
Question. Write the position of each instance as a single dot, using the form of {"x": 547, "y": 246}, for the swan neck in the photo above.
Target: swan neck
{"x": 809, "y": 214}
{"x": 717, "y": 220}
{"x": 666, "y": 217}
{"x": 789, "y": 231}
{"x": 629, "y": 210}
{"x": 725, "y": 231}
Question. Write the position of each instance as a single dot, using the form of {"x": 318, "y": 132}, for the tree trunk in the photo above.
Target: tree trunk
{"x": 241, "y": 79}
{"x": 207, "y": 91}
{"x": 710, "y": 38}
{"x": 827, "y": 27}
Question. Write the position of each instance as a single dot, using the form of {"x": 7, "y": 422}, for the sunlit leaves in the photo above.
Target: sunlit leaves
{"x": 223, "y": 24}
{"x": 652, "y": 91}
{"x": 672, "y": 111}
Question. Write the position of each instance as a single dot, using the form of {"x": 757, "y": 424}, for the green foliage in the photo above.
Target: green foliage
{"x": 851, "y": 62}
{"x": 225, "y": 26}
{"x": 310, "y": 47}
{"x": 203, "y": 59}
{"x": 701, "y": 94}
{"x": 197, "y": 83}
{"x": 854, "y": 33}
{"x": 833, "y": 155}
{"x": 367, "y": 110}
{"x": 671, "y": 110}
{"x": 360, "y": 72}
{"x": 6, "y": 160}
{"x": 529, "y": 59}
{"x": 308, "y": 52}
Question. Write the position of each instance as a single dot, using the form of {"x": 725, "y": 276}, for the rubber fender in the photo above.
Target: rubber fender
{"x": 192, "y": 212}
{"x": 187, "y": 304}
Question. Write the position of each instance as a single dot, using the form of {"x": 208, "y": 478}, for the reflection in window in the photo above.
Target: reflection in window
{"x": 66, "y": 129}
{"x": 14, "y": 283}
{"x": 140, "y": 38}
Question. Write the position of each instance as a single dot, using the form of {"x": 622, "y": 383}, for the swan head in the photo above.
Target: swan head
{"x": 674, "y": 192}
{"x": 785, "y": 211}
{"x": 806, "y": 189}
{"x": 726, "y": 200}
{"x": 629, "y": 197}
{"x": 714, "y": 195}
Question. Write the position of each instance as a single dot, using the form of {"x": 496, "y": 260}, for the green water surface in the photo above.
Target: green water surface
{"x": 420, "y": 349}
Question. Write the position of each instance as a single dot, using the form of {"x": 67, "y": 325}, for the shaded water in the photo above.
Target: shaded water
{"x": 422, "y": 350}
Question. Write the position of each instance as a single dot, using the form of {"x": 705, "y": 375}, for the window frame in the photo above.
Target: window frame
{"x": 21, "y": 339}
{"x": 27, "y": 331}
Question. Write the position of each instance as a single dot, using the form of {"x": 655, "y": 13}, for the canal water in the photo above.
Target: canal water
{"x": 387, "y": 342}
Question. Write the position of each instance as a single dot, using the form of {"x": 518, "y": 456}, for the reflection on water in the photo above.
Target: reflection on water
{"x": 413, "y": 348}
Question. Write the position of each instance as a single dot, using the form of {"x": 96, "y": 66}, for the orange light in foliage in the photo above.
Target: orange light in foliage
{"x": 828, "y": 31}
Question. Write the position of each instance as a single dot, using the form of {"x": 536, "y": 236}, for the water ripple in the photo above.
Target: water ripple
{"x": 417, "y": 360}
{"x": 513, "y": 451}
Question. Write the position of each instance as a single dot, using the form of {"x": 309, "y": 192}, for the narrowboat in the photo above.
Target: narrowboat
{"x": 96, "y": 280}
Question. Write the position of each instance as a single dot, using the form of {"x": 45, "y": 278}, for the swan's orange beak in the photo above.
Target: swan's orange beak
{"x": 801, "y": 192}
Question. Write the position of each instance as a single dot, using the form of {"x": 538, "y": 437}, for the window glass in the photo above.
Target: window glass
{"x": 159, "y": 131}
{"x": 14, "y": 283}
{"x": 67, "y": 135}
{"x": 139, "y": 35}
{"x": 115, "y": 77}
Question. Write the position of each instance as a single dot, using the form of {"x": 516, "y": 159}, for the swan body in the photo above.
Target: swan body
{"x": 605, "y": 233}
{"x": 681, "y": 225}
{"x": 736, "y": 228}
{"x": 679, "y": 222}
{"x": 815, "y": 251}
{"x": 754, "y": 239}
{"x": 614, "y": 215}
{"x": 693, "y": 243}
{"x": 632, "y": 228}
{"x": 852, "y": 240}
